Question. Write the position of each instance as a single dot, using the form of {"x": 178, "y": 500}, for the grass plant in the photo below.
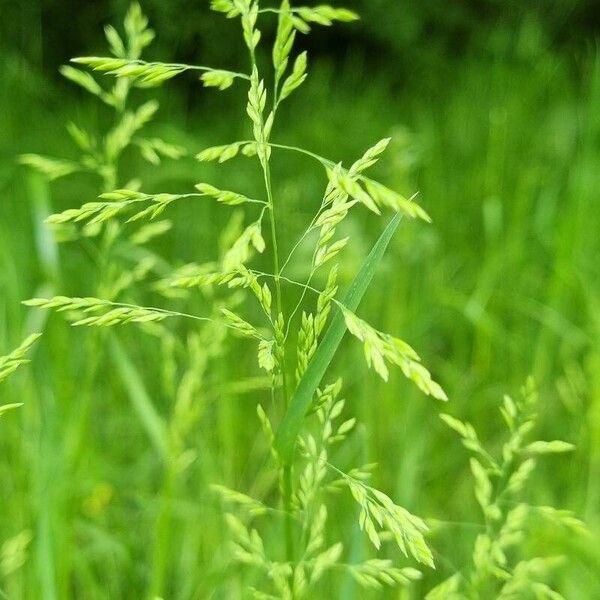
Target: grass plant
{"x": 255, "y": 477}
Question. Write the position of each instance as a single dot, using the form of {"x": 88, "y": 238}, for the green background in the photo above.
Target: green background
{"x": 494, "y": 111}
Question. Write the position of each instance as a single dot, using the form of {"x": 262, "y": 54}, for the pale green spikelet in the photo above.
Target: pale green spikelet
{"x": 375, "y": 573}
{"x": 242, "y": 501}
{"x": 284, "y": 40}
{"x": 101, "y": 313}
{"x": 227, "y": 152}
{"x": 325, "y": 300}
{"x": 52, "y": 168}
{"x": 370, "y": 157}
{"x": 11, "y": 362}
{"x": 242, "y": 249}
{"x": 379, "y": 513}
{"x": 218, "y": 78}
{"x": 239, "y": 325}
{"x": 296, "y": 78}
{"x": 307, "y": 344}
{"x": 154, "y": 149}
{"x": 381, "y": 347}
{"x": 14, "y": 552}
{"x": 224, "y": 196}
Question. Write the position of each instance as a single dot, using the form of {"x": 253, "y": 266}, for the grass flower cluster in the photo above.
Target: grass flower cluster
{"x": 281, "y": 536}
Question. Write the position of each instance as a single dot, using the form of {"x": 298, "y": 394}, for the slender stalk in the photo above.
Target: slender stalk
{"x": 287, "y": 469}
{"x": 162, "y": 529}
{"x": 299, "y": 303}
{"x": 276, "y": 271}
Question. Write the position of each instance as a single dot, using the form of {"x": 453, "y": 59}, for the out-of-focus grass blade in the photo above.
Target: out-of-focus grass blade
{"x": 45, "y": 242}
{"x": 292, "y": 420}
{"x": 140, "y": 399}
{"x": 6, "y": 407}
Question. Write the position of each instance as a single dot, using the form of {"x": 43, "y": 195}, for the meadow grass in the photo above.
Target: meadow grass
{"x": 503, "y": 285}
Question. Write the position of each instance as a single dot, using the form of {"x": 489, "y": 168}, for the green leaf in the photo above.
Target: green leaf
{"x": 302, "y": 398}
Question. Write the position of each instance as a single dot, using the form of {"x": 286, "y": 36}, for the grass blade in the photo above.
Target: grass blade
{"x": 292, "y": 421}
{"x": 140, "y": 399}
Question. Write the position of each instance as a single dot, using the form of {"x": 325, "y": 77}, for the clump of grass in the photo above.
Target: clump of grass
{"x": 302, "y": 416}
{"x": 499, "y": 567}
{"x": 299, "y": 456}
{"x": 124, "y": 262}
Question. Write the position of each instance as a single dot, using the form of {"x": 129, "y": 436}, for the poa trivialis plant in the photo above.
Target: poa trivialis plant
{"x": 500, "y": 568}
{"x": 303, "y": 417}
{"x": 302, "y": 445}
{"x": 294, "y": 347}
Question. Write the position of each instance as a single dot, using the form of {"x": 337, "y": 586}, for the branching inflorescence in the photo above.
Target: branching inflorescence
{"x": 499, "y": 485}
{"x": 301, "y": 447}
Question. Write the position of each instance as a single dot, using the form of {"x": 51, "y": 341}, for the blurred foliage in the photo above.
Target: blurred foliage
{"x": 493, "y": 110}
{"x": 403, "y": 30}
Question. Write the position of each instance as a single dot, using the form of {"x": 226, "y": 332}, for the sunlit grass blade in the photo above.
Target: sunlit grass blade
{"x": 292, "y": 421}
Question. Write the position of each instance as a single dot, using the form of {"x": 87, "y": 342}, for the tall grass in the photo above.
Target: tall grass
{"x": 455, "y": 304}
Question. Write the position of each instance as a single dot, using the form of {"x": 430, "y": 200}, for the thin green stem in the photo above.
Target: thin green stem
{"x": 287, "y": 280}
{"x": 287, "y": 469}
{"x": 313, "y": 270}
{"x": 273, "y": 225}
{"x": 287, "y": 489}
{"x": 299, "y": 303}
{"x": 299, "y": 284}
{"x": 321, "y": 159}
{"x": 324, "y": 161}
{"x": 295, "y": 247}
{"x": 310, "y": 228}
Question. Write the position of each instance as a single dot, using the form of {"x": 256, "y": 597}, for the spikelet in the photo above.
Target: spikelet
{"x": 380, "y": 348}
{"x": 10, "y": 363}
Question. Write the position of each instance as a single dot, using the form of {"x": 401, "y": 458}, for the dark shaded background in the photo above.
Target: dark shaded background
{"x": 407, "y": 32}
